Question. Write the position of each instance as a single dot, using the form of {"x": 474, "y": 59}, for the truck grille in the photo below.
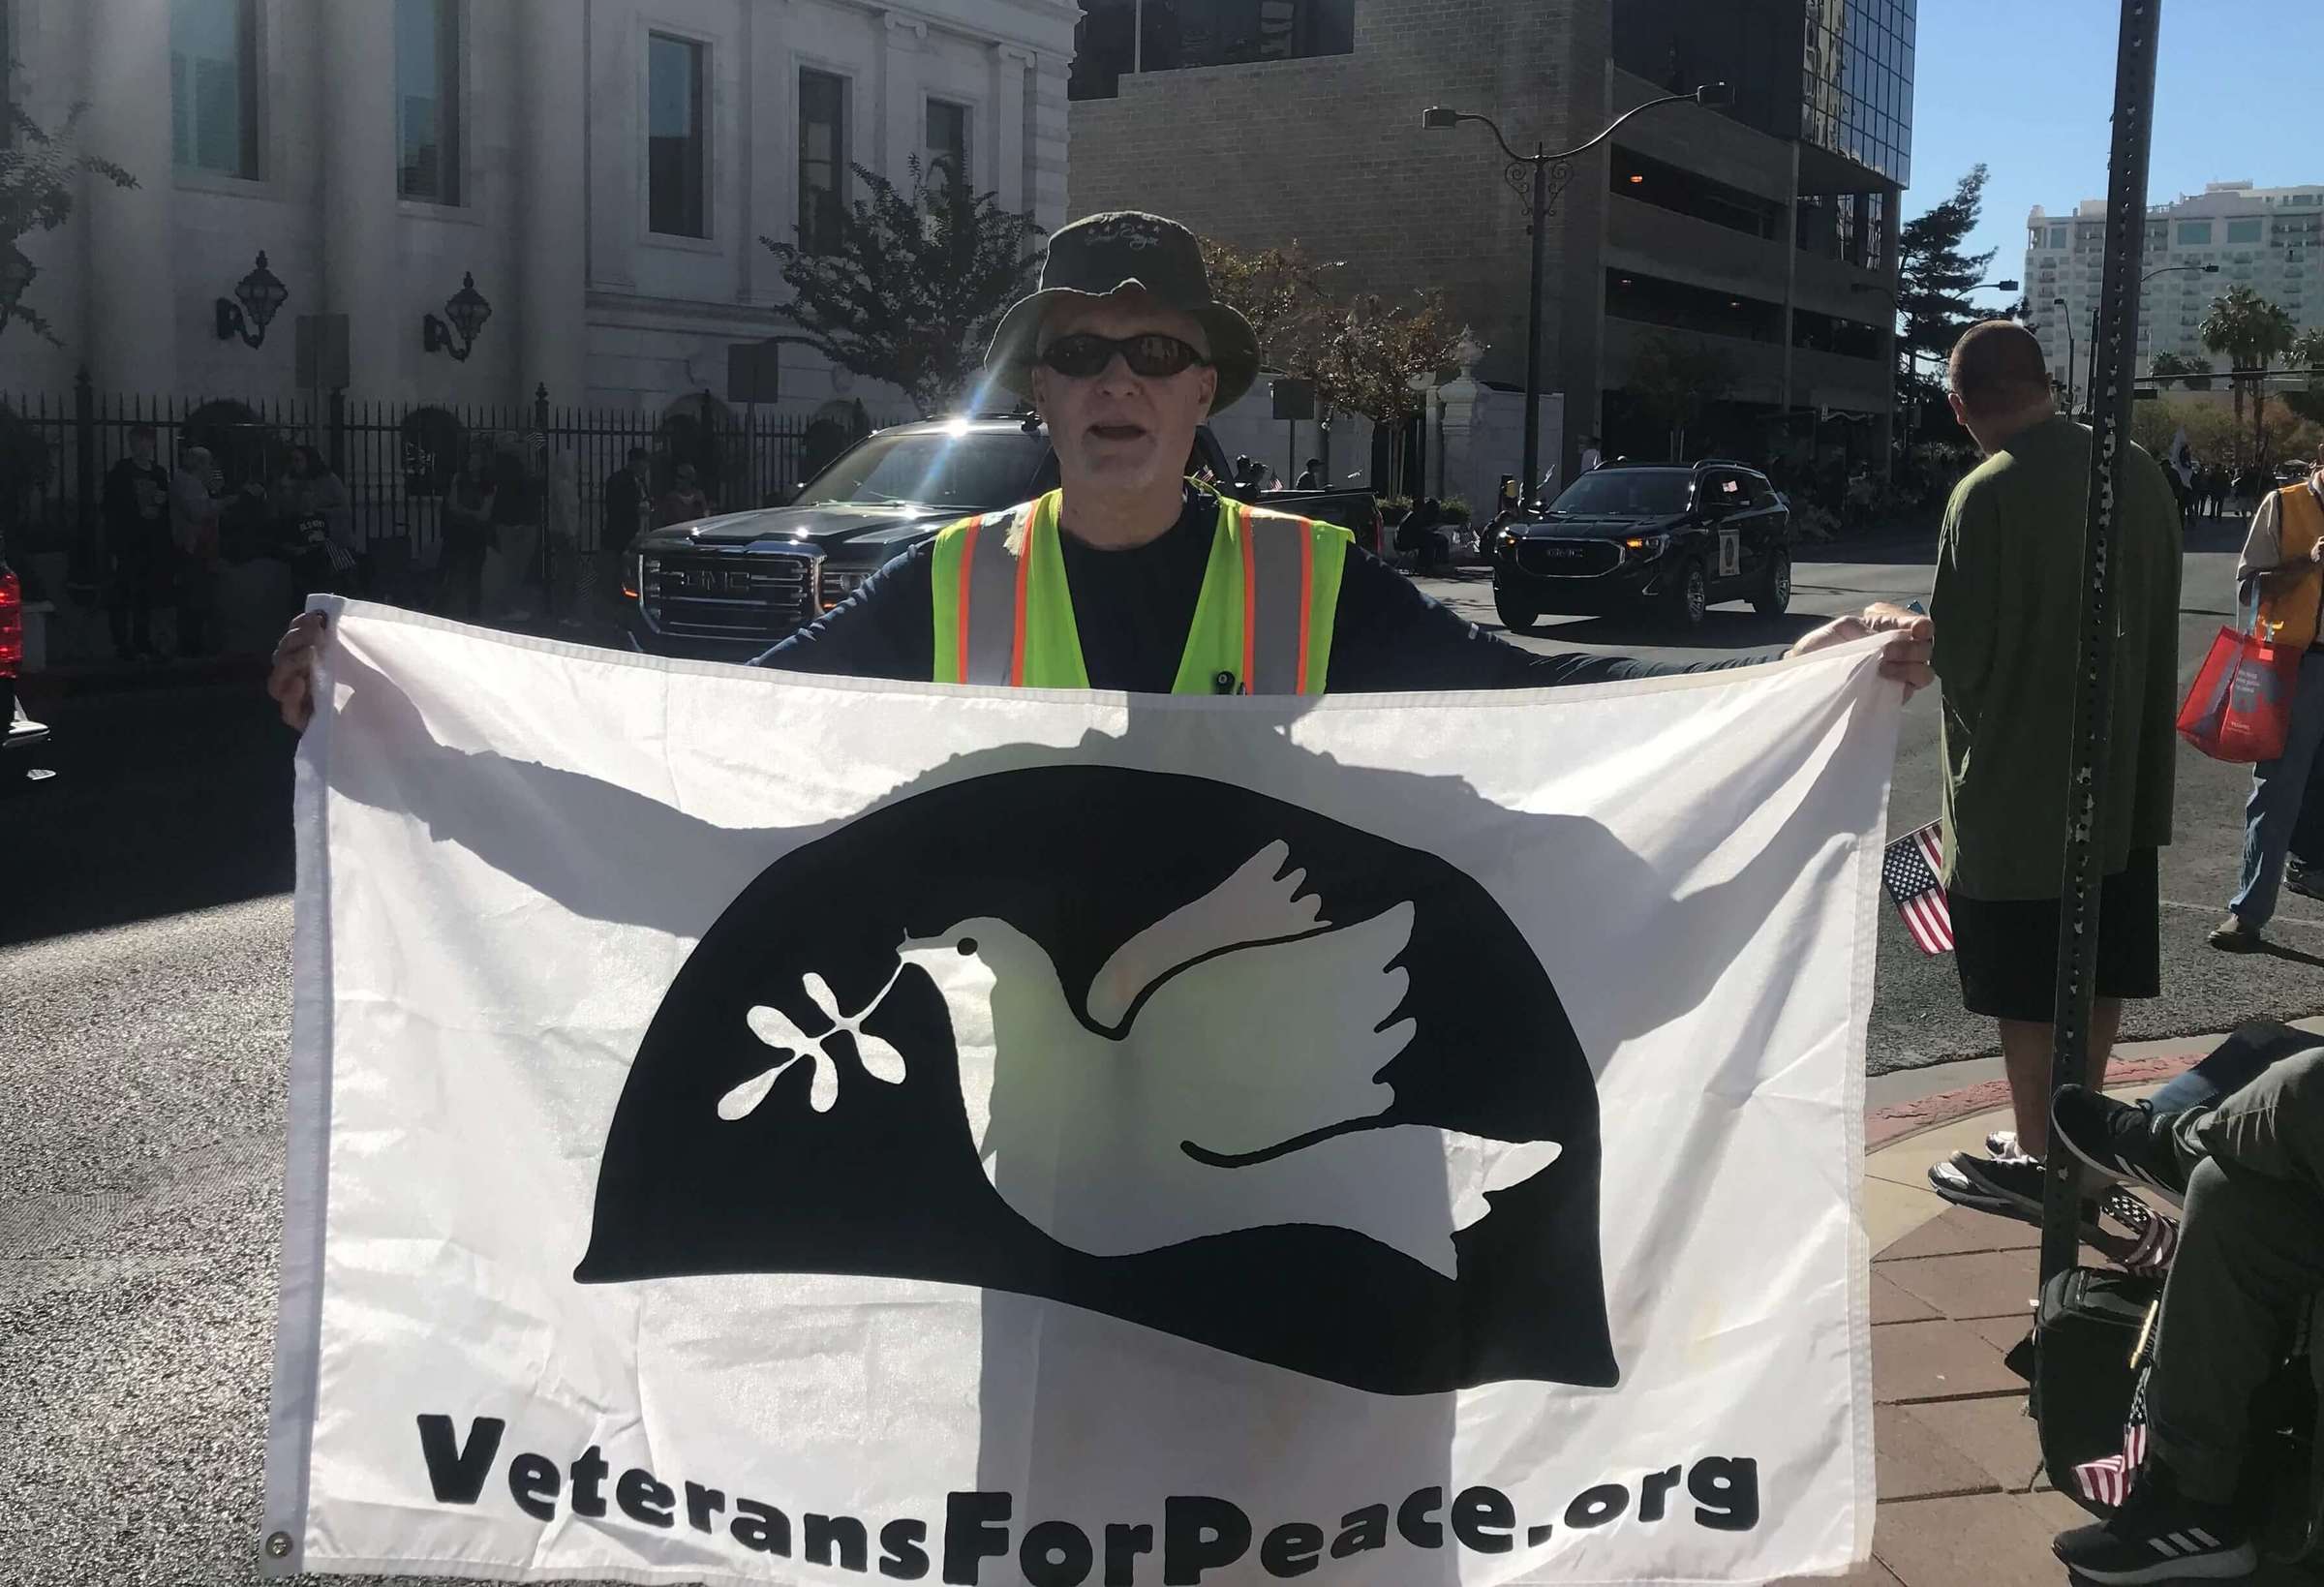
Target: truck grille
{"x": 737, "y": 597}
{"x": 1568, "y": 559}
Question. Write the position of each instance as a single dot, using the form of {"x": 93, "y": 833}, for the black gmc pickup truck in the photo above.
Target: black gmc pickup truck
{"x": 726, "y": 589}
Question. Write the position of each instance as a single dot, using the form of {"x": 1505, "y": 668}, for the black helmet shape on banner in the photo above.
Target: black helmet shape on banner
{"x": 1147, "y": 1044}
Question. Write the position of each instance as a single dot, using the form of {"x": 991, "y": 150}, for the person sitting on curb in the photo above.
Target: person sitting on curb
{"x": 2249, "y": 1172}
{"x": 2282, "y": 569}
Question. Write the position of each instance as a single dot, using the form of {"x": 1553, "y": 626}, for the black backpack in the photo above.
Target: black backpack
{"x": 2091, "y": 1350}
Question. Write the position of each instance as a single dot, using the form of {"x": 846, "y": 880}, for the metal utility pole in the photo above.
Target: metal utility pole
{"x": 1551, "y": 171}
{"x": 2111, "y": 377}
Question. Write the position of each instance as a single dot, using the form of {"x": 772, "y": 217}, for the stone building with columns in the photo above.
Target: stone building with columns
{"x": 603, "y": 169}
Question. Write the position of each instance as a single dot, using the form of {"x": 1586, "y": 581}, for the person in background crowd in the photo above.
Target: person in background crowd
{"x": 137, "y": 543}
{"x": 2281, "y": 571}
{"x": 684, "y": 502}
{"x": 516, "y": 502}
{"x": 1311, "y": 477}
{"x": 2250, "y": 1171}
{"x": 316, "y": 523}
{"x": 466, "y": 536}
{"x": 193, "y": 531}
{"x": 1593, "y": 452}
{"x": 1416, "y": 536}
{"x": 2009, "y": 652}
{"x": 627, "y": 494}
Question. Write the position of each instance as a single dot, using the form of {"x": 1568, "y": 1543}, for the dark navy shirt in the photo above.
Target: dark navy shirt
{"x": 1133, "y": 610}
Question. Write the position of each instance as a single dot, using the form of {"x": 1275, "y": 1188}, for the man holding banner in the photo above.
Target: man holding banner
{"x": 777, "y": 1128}
{"x": 1124, "y": 352}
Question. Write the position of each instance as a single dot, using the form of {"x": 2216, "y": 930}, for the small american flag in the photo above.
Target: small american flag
{"x": 1910, "y": 868}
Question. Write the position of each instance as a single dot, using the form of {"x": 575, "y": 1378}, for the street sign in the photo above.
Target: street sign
{"x": 322, "y": 351}
{"x": 752, "y": 374}
{"x": 1294, "y": 399}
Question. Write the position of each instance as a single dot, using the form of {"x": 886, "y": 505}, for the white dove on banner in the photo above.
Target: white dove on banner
{"x": 1227, "y": 1079}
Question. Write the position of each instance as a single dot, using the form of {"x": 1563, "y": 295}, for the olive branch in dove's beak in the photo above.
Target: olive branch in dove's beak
{"x": 879, "y": 1058}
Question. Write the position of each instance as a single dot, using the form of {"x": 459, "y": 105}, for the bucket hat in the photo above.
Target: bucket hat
{"x": 1101, "y": 255}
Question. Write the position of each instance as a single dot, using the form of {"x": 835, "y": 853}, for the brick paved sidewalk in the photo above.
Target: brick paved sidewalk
{"x": 1962, "y": 1499}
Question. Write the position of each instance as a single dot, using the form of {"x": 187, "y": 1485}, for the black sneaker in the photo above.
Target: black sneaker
{"x": 2121, "y": 1140}
{"x": 2010, "y": 1186}
{"x": 2158, "y": 1535}
{"x": 2303, "y": 879}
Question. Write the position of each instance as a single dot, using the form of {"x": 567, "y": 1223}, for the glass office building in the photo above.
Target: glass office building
{"x": 1856, "y": 81}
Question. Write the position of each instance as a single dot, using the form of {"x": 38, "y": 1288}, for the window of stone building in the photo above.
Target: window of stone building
{"x": 214, "y": 86}
{"x": 427, "y": 101}
{"x": 677, "y": 137}
{"x": 822, "y": 159}
{"x": 2244, "y": 231}
{"x": 944, "y": 149}
{"x": 2194, "y": 234}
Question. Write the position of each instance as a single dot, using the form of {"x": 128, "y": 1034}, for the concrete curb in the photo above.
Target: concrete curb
{"x": 1885, "y": 1126}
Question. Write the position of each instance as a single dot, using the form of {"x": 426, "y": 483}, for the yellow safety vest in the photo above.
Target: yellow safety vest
{"x": 2299, "y": 525}
{"x": 1261, "y": 626}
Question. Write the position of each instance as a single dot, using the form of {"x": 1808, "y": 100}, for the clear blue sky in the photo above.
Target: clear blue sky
{"x": 2027, "y": 86}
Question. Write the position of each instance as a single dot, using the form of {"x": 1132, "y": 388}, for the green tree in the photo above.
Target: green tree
{"x": 2178, "y": 374}
{"x": 1675, "y": 378}
{"x": 1374, "y": 355}
{"x": 2306, "y": 353}
{"x": 39, "y": 170}
{"x": 2252, "y": 332}
{"x": 1361, "y": 355}
{"x": 1934, "y": 277}
{"x": 913, "y": 286}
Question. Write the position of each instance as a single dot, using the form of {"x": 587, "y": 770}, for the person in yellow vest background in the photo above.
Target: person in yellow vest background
{"x": 1131, "y": 575}
{"x": 2282, "y": 570}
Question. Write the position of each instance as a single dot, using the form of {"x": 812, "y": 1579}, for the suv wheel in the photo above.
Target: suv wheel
{"x": 1690, "y": 597}
{"x": 1516, "y": 618}
{"x": 1775, "y": 596}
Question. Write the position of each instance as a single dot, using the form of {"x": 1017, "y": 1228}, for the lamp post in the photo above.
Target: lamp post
{"x": 256, "y": 297}
{"x": 2161, "y": 270}
{"x": 1912, "y": 352}
{"x": 1711, "y": 95}
{"x": 468, "y": 310}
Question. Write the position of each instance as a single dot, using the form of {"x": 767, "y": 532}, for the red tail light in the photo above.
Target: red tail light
{"x": 12, "y": 624}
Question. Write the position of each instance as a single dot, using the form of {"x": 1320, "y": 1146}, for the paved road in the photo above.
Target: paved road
{"x": 143, "y": 975}
{"x": 1917, "y": 1017}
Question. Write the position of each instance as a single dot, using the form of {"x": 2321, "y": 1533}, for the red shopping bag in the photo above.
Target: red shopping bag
{"x": 2242, "y": 701}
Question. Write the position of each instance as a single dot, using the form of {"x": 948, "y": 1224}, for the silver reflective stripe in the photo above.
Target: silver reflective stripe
{"x": 992, "y": 607}
{"x": 2163, "y": 1546}
{"x": 2202, "y": 1537}
{"x": 1276, "y": 548}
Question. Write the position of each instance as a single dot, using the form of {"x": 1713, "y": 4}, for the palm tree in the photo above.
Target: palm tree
{"x": 2250, "y": 331}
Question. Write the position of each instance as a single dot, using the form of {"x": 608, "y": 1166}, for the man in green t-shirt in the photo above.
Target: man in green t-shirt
{"x": 2008, "y": 648}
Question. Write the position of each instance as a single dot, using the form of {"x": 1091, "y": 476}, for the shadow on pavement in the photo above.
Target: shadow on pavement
{"x": 163, "y": 801}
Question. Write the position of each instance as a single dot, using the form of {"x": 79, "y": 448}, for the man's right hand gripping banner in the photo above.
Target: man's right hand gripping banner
{"x": 753, "y": 1128}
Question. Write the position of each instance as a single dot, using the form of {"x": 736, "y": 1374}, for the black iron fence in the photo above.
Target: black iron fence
{"x": 396, "y": 460}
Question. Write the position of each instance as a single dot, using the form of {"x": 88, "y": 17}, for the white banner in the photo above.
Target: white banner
{"x": 756, "y": 1128}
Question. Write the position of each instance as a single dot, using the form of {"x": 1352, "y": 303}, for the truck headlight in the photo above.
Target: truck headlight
{"x": 835, "y": 585}
{"x": 1646, "y": 547}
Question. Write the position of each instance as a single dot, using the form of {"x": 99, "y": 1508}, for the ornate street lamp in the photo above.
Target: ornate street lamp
{"x": 468, "y": 310}
{"x": 256, "y": 297}
{"x": 1549, "y": 174}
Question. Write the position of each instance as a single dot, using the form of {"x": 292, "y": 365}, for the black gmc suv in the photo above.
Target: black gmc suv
{"x": 728, "y": 588}
{"x": 1673, "y": 536}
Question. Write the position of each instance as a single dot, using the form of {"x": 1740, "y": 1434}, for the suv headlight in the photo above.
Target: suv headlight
{"x": 833, "y": 585}
{"x": 1646, "y": 547}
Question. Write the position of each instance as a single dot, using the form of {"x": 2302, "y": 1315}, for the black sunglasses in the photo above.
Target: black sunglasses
{"x": 1153, "y": 357}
